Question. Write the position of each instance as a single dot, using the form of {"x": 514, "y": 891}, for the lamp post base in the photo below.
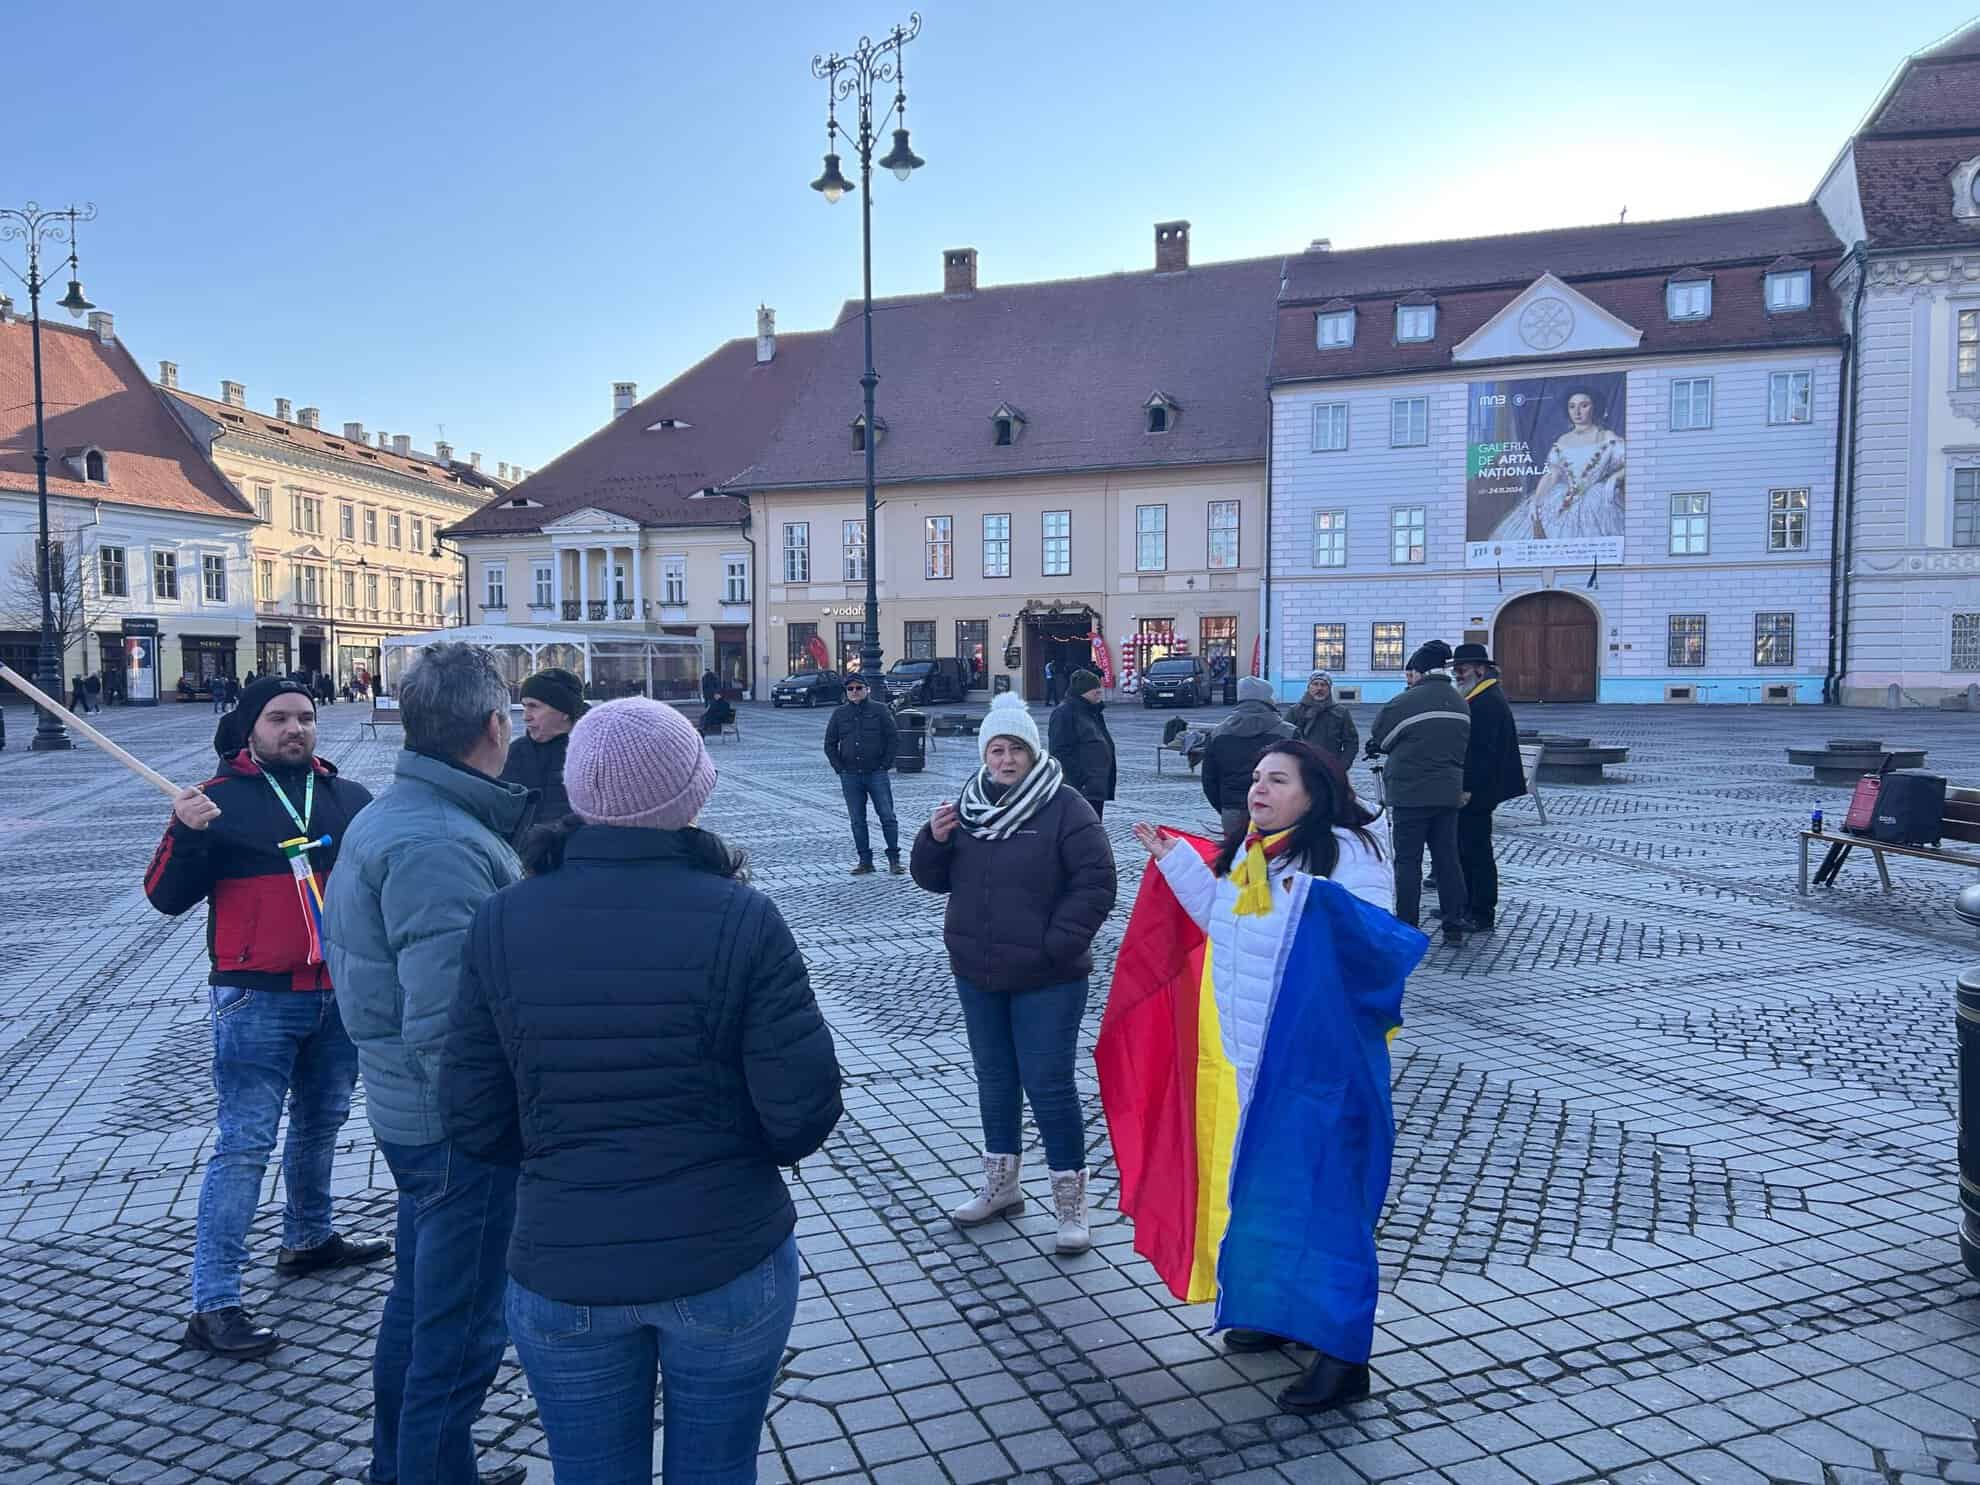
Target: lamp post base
{"x": 50, "y": 736}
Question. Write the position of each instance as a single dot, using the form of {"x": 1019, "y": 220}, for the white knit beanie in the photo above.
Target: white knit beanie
{"x": 1008, "y": 718}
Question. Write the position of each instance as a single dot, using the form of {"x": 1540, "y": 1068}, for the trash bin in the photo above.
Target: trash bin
{"x": 911, "y": 755}
{"x": 1230, "y": 690}
{"x": 1967, "y": 1012}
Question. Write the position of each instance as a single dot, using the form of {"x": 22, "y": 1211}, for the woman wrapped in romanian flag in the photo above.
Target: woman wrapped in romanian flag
{"x": 1244, "y": 1065}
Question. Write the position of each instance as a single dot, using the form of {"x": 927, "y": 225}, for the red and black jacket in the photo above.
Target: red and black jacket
{"x": 256, "y": 934}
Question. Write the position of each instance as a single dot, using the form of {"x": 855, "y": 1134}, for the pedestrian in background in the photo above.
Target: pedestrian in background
{"x": 78, "y": 696}
{"x": 1078, "y": 738}
{"x": 216, "y": 690}
{"x": 860, "y": 742}
{"x": 416, "y": 867}
{"x": 277, "y": 1034}
{"x": 1234, "y": 748}
{"x": 1051, "y": 683}
{"x": 1324, "y": 722}
{"x": 552, "y": 702}
{"x": 1030, "y": 878}
{"x": 93, "y": 689}
{"x": 636, "y": 1029}
{"x": 711, "y": 687}
{"x": 1424, "y": 733}
{"x": 1493, "y": 774}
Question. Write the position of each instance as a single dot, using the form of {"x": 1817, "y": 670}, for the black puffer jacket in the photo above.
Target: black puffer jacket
{"x": 1234, "y": 750}
{"x": 1078, "y": 737}
{"x": 1022, "y": 911}
{"x": 638, "y": 1033}
{"x": 540, "y": 766}
{"x": 861, "y": 738}
{"x": 1493, "y": 772}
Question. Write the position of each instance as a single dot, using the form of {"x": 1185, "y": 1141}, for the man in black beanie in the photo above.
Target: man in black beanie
{"x": 553, "y": 700}
{"x": 1424, "y": 733}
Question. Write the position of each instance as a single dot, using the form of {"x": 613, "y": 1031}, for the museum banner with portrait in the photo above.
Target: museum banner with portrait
{"x": 1544, "y": 470}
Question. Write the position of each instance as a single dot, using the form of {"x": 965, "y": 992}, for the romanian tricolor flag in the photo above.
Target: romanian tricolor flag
{"x": 1268, "y": 1204}
{"x": 309, "y": 891}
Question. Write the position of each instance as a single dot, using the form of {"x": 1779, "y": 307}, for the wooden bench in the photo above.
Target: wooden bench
{"x": 1961, "y": 822}
{"x": 381, "y": 716}
{"x": 731, "y": 729}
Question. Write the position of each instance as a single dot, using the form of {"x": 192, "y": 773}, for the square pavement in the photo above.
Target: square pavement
{"x": 1675, "y": 1189}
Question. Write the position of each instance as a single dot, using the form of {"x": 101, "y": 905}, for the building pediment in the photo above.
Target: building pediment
{"x": 588, "y": 521}
{"x": 1547, "y": 318}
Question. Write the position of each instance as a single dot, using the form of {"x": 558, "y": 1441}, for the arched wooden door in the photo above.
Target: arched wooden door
{"x": 1546, "y": 647}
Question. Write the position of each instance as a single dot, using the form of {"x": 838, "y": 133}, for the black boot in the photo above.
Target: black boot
{"x": 339, "y": 1252}
{"x": 1328, "y": 1383}
{"x": 1245, "y": 1342}
{"x": 229, "y": 1332}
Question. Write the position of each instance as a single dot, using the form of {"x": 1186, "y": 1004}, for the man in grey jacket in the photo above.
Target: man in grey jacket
{"x": 1234, "y": 749}
{"x": 1424, "y": 733}
{"x": 413, "y": 869}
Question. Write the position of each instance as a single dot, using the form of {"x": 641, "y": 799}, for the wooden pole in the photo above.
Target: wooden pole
{"x": 41, "y": 698}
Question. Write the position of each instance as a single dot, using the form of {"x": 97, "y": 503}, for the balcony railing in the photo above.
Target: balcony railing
{"x": 573, "y": 609}
{"x": 597, "y": 608}
{"x": 622, "y": 608}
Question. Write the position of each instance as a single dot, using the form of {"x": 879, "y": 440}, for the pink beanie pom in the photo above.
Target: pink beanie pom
{"x": 638, "y": 763}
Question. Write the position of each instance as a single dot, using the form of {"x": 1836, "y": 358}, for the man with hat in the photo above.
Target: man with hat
{"x": 860, "y": 742}
{"x": 1424, "y": 733}
{"x": 257, "y": 843}
{"x": 553, "y": 700}
{"x": 1324, "y": 722}
{"x": 1079, "y": 739}
{"x": 1492, "y": 775}
{"x": 1234, "y": 748}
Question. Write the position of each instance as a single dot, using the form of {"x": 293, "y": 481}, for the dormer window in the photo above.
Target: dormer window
{"x": 1161, "y": 411}
{"x": 859, "y": 432}
{"x": 1688, "y": 297}
{"x": 1334, "y": 326}
{"x": 96, "y": 469}
{"x": 668, "y": 425}
{"x": 1789, "y": 290}
{"x": 1416, "y": 321}
{"x": 1006, "y": 424}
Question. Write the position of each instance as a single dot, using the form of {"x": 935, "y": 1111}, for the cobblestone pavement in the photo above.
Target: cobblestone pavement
{"x": 1674, "y": 1193}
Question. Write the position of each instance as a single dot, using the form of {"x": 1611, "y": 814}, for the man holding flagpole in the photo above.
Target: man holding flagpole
{"x": 256, "y": 844}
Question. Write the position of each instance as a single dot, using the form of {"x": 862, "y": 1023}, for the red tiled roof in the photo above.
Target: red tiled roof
{"x": 1937, "y": 89}
{"x": 729, "y": 403}
{"x": 320, "y": 440}
{"x": 95, "y": 395}
{"x": 1081, "y": 356}
{"x": 1904, "y": 187}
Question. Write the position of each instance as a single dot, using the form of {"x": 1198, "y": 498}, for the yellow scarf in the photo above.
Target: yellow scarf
{"x": 1253, "y": 873}
{"x": 1485, "y": 685}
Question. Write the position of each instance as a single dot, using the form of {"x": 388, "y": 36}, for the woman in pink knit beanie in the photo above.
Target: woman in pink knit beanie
{"x": 636, "y": 1030}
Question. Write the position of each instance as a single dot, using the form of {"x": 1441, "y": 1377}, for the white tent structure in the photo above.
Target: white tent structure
{"x": 613, "y": 662}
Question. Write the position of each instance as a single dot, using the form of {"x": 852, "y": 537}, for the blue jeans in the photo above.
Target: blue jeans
{"x": 441, "y": 1336}
{"x": 879, "y": 787}
{"x": 1024, "y": 1045}
{"x": 591, "y": 1368}
{"x": 270, "y": 1045}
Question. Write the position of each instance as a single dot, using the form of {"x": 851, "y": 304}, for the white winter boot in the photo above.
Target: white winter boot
{"x": 1000, "y": 1195}
{"x": 1069, "y": 1197}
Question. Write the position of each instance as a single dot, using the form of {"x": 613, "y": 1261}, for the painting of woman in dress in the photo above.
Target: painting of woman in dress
{"x": 1580, "y": 493}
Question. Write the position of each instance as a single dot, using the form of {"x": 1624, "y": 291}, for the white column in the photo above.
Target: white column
{"x": 638, "y": 589}
{"x": 584, "y": 582}
{"x": 556, "y": 583}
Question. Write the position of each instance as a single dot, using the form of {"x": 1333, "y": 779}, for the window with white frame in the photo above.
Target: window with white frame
{"x": 112, "y": 575}
{"x": 1691, "y": 403}
{"x": 1330, "y": 427}
{"x": 418, "y": 534}
{"x": 398, "y": 592}
{"x": 1689, "y": 300}
{"x": 1790, "y": 396}
{"x": 1965, "y": 643}
{"x": 1151, "y": 538}
{"x": 394, "y": 532}
{"x": 852, "y": 551}
{"x": 1416, "y": 322}
{"x": 1684, "y": 640}
{"x": 1330, "y": 647}
{"x": 542, "y": 585}
{"x": 264, "y": 502}
{"x": 1223, "y": 542}
{"x": 1966, "y": 365}
{"x": 1409, "y": 422}
{"x": 797, "y": 551}
{"x": 997, "y": 546}
{"x": 1386, "y": 646}
{"x": 1055, "y": 536}
{"x": 419, "y": 597}
{"x": 1335, "y": 329}
{"x": 1966, "y": 508}
{"x": 1789, "y": 291}
{"x": 164, "y": 574}
{"x": 673, "y": 581}
{"x": 350, "y": 592}
{"x": 370, "y": 526}
{"x": 1330, "y": 538}
{"x": 1787, "y": 520}
{"x": 1407, "y": 525}
{"x": 495, "y": 586}
{"x": 371, "y": 592}
{"x": 213, "y": 577}
{"x": 1773, "y": 639}
{"x": 1691, "y": 524}
{"x": 309, "y": 585}
{"x": 735, "y": 579}
{"x": 265, "y": 581}
{"x": 939, "y": 547}
{"x": 346, "y": 522}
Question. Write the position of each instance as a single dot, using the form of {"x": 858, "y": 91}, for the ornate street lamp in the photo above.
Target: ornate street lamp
{"x": 871, "y": 64}
{"x": 33, "y": 226}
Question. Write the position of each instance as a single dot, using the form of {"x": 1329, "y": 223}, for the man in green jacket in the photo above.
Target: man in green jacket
{"x": 414, "y": 868}
{"x": 1324, "y": 722}
{"x": 1424, "y": 733}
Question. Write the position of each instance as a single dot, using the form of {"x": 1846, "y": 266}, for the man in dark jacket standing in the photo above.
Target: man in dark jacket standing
{"x": 1324, "y": 722}
{"x": 277, "y": 1034}
{"x": 553, "y": 700}
{"x": 711, "y": 687}
{"x": 1078, "y": 737}
{"x": 859, "y": 744}
{"x": 1424, "y": 733}
{"x": 1235, "y": 748}
{"x": 1493, "y": 774}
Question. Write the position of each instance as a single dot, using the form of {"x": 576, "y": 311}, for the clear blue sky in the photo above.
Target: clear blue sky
{"x": 480, "y": 213}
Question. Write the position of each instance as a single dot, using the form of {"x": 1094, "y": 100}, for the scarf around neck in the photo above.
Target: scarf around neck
{"x": 999, "y": 819}
{"x": 1252, "y": 876}
{"x": 1485, "y": 685}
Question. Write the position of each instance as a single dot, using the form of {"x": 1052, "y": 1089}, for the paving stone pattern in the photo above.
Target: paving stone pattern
{"x": 1674, "y": 1194}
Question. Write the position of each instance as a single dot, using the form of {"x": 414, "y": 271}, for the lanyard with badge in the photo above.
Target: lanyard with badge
{"x": 308, "y": 893}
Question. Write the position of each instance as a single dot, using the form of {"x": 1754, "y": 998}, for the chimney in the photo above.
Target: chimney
{"x": 233, "y": 394}
{"x": 402, "y": 445}
{"x": 310, "y": 417}
{"x": 384, "y": 439}
{"x": 354, "y": 432}
{"x": 766, "y": 334}
{"x": 624, "y": 395}
{"x": 958, "y": 272}
{"x": 103, "y": 324}
{"x": 1321, "y": 245}
{"x": 443, "y": 451}
{"x": 7, "y": 310}
{"x": 168, "y": 375}
{"x": 1171, "y": 247}
{"x": 474, "y": 461}
{"x": 284, "y": 410}
{"x": 502, "y": 471}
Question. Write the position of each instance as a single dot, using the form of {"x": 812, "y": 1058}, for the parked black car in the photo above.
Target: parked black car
{"x": 925, "y": 682}
{"x": 1179, "y": 680}
{"x": 809, "y": 688}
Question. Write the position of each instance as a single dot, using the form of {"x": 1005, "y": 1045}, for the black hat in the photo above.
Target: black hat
{"x": 229, "y": 737}
{"x": 1469, "y": 654}
{"x": 256, "y": 697}
{"x": 1433, "y": 656}
{"x": 854, "y": 678}
{"x": 1081, "y": 682}
{"x": 559, "y": 688}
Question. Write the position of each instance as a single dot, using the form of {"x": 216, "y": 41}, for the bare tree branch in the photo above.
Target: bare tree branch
{"x": 20, "y": 587}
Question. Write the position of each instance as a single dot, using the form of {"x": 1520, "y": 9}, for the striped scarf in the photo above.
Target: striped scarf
{"x": 987, "y": 821}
